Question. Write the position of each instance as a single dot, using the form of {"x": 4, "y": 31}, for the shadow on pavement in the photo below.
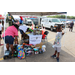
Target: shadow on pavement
{"x": 45, "y": 57}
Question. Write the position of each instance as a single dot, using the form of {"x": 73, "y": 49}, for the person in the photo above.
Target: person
{"x": 3, "y": 23}
{"x": 11, "y": 33}
{"x": 10, "y": 19}
{"x": 71, "y": 26}
{"x": 1, "y": 29}
{"x": 22, "y": 29}
{"x": 57, "y": 43}
{"x": 21, "y": 20}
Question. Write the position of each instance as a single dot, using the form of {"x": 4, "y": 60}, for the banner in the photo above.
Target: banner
{"x": 35, "y": 39}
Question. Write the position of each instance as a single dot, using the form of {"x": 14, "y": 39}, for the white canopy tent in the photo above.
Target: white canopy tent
{"x": 33, "y": 13}
{"x": 37, "y": 13}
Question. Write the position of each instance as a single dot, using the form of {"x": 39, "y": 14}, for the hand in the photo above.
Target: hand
{"x": 63, "y": 33}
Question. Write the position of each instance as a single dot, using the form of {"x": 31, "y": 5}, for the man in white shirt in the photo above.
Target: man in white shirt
{"x": 23, "y": 29}
{"x": 1, "y": 29}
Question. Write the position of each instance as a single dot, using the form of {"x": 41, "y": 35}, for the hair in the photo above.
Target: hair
{"x": 58, "y": 27}
{"x": 16, "y": 26}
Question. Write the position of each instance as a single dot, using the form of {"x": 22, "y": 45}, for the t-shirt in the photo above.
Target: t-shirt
{"x": 1, "y": 27}
{"x": 11, "y": 31}
{"x": 71, "y": 24}
{"x": 58, "y": 39}
{"x": 23, "y": 27}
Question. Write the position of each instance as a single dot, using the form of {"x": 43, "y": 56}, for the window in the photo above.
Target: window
{"x": 56, "y": 20}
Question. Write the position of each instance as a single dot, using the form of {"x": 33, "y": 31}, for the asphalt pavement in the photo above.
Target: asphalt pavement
{"x": 67, "y": 53}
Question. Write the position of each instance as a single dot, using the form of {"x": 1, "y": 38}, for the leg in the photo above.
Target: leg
{"x": 58, "y": 54}
{"x": 54, "y": 55}
{"x": 7, "y": 46}
{"x": 69, "y": 29}
{"x": 11, "y": 47}
{"x": 55, "y": 52}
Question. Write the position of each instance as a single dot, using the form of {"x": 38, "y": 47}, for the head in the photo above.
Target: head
{"x": 16, "y": 25}
{"x": 59, "y": 28}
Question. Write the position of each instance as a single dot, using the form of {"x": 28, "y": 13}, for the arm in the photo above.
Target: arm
{"x": 16, "y": 40}
{"x": 62, "y": 33}
{"x": 2, "y": 29}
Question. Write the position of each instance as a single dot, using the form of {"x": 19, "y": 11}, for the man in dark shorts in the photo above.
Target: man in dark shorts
{"x": 71, "y": 26}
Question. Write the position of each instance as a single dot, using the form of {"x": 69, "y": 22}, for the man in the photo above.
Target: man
{"x": 71, "y": 26}
{"x": 10, "y": 19}
{"x": 23, "y": 29}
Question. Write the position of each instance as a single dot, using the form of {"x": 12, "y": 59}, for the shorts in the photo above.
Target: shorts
{"x": 58, "y": 49}
{"x": 0, "y": 32}
{"x": 21, "y": 31}
{"x": 9, "y": 39}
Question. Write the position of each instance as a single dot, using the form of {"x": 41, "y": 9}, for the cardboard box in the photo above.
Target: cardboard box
{"x": 39, "y": 45}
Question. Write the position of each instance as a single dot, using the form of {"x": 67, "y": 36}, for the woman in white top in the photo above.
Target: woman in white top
{"x": 1, "y": 29}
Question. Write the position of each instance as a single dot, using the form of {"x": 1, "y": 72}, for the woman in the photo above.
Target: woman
{"x": 10, "y": 33}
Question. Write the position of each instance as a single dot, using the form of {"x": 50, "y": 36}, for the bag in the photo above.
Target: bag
{"x": 21, "y": 54}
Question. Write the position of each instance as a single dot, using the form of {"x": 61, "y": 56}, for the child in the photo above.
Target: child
{"x": 10, "y": 33}
{"x": 57, "y": 43}
{"x": 1, "y": 29}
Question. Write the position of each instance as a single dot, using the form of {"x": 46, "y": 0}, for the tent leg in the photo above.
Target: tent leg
{"x": 4, "y": 32}
{"x": 65, "y": 29}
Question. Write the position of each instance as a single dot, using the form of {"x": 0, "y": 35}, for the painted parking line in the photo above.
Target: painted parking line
{"x": 1, "y": 59}
{"x": 51, "y": 40}
{"x": 48, "y": 41}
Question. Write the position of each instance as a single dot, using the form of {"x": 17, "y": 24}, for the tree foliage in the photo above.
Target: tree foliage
{"x": 62, "y": 16}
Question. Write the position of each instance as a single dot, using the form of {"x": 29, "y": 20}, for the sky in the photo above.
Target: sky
{"x": 68, "y": 13}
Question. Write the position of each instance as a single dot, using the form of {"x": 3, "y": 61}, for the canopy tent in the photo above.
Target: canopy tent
{"x": 33, "y": 13}
{"x": 1, "y": 17}
{"x": 37, "y": 13}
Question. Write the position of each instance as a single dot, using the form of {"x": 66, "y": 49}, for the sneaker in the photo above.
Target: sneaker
{"x": 57, "y": 59}
{"x": 53, "y": 56}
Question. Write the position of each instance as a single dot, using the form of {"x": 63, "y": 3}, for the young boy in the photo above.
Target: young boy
{"x": 57, "y": 43}
{"x": 1, "y": 29}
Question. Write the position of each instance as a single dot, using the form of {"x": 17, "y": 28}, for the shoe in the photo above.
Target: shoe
{"x": 53, "y": 56}
{"x": 57, "y": 59}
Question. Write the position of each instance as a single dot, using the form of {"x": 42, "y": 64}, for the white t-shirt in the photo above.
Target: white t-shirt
{"x": 23, "y": 27}
{"x": 1, "y": 27}
{"x": 58, "y": 39}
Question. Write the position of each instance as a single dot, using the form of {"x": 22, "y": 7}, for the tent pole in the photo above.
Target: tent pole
{"x": 65, "y": 27}
{"x": 4, "y": 30}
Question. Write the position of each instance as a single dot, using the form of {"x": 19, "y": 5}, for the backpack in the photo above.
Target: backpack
{"x": 21, "y": 54}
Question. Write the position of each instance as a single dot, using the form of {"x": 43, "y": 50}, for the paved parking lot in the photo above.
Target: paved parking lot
{"x": 67, "y": 53}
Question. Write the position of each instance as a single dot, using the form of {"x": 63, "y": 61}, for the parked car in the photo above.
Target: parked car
{"x": 68, "y": 23}
{"x": 28, "y": 22}
{"x": 51, "y": 23}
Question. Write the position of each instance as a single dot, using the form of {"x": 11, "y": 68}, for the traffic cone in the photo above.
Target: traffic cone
{"x": 42, "y": 31}
{"x": 32, "y": 26}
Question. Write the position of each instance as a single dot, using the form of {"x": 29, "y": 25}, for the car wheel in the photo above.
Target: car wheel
{"x": 51, "y": 28}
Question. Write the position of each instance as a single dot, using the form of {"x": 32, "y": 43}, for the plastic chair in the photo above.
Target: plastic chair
{"x": 45, "y": 39}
